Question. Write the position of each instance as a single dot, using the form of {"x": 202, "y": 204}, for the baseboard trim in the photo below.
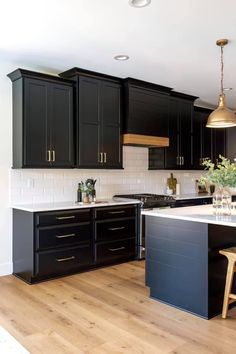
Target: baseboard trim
{"x": 6, "y": 269}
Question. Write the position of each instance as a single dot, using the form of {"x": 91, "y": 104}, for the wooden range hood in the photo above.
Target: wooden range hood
{"x": 145, "y": 140}
{"x": 146, "y": 114}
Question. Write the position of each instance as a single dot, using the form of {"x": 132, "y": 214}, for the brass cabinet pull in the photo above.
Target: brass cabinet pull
{"x": 116, "y": 228}
{"x": 116, "y": 249}
{"x": 116, "y": 212}
{"x": 53, "y": 155}
{"x": 65, "y": 259}
{"x": 65, "y": 236}
{"x": 100, "y": 157}
{"x": 182, "y": 160}
{"x": 177, "y": 160}
{"x": 65, "y": 217}
{"x": 48, "y": 155}
{"x": 105, "y": 157}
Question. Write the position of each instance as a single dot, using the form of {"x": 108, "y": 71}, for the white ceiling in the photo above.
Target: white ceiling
{"x": 170, "y": 42}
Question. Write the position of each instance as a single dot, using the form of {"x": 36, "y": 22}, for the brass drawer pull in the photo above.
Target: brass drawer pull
{"x": 53, "y": 155}
{"x": 65, "y": 259}
{"x": 105, "y": 157}
{"x": 65, "y": 217}
{"x": 116, "y": 228}
{"x": 100, "y": 157}
{"x": 48, "y": 155}
{"x": 116, "y": 249}
{"x": 117, "y": 212}
{"x": 65, "y": 236}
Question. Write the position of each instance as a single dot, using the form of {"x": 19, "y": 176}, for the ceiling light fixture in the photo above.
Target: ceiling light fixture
{"x": 222, "y": 117}
{"x": 139, "y": 3}
{"x": 121, "y": 57}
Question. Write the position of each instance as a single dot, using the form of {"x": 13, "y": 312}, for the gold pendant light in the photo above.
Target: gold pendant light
{"x": 222, "y": 117}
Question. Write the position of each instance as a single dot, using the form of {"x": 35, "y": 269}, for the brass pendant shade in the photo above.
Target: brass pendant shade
{"x": 222, "y": 117}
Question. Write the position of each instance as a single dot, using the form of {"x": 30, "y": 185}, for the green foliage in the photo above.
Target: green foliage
{"x": 88, "y": 186}
{"x": 222, "y": 174}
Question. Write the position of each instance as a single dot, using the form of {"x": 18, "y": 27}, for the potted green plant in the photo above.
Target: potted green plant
{"x": 223, "y": 176}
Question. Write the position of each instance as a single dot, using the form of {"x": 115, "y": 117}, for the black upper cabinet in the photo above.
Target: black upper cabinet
{"x": 146, "y": 108}
{"x": 42, "y": 121}
{"x": 179, "y": 154}
{"x": 207, "y": 143}
{"x": 231, "y": 143}
{"x": 99, "y": 111}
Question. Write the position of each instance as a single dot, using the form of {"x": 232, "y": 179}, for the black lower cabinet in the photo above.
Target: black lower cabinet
{"x": 62, "y": 261}
{"x": 115, "y": 234}
{"x": 56, "y": 243}
{"x": 115, "y": 251}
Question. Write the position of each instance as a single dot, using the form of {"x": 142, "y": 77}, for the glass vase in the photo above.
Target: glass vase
{"x": 222, "y": 200}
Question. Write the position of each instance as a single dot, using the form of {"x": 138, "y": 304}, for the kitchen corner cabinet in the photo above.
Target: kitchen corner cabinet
{"x": 207, "y": 143}
{"x": 179, "y": 154}
{"x": 42, "y": 121}
{"x": 98, "y": 119}
{"x": 50, "y": 244}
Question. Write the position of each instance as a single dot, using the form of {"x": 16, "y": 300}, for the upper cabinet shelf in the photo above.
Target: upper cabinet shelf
{"x": 42, "y": 121}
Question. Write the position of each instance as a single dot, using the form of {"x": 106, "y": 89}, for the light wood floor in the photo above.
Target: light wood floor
{"x": 106, "y": 311}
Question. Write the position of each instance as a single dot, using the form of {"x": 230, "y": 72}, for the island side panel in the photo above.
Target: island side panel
{"x": 23, "y": 244}
{"x": 177, "y": 263}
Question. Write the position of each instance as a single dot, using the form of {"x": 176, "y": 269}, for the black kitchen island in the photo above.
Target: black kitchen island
{"x": 183, "y": 265}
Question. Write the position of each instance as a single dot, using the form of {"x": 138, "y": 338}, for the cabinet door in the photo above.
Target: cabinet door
{"x": 219, "y": 143}
{"x": 186, "y": 138}
{"x": 197, "y": 140}
{"x": 172, "y": 153}
{"x": 89, "y": 127}
{"x": 207, "y": 138}
{"x": 111, "y": 117}
{"x": 61, "y": 125}
{"x": 35, "y": 127}
{"x": 231, "y": 143}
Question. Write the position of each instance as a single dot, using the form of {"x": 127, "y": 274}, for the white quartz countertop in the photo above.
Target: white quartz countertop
{"x": 199, "y": 213}
{"x": 38, "y": 207}
{"x": 192, "y": 196}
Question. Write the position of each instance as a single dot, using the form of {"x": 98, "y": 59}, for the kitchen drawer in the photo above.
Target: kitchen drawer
{"x": 114, "y": 230}
{"x": 62, "y": 261}
{"x": 62, "y": 217}
{"x": 48, "y": 237}
{"x": 115, "y": 212}
{"x": 115, "y": 251}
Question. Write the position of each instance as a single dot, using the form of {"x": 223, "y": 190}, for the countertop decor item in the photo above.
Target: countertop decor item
{"x": 222, "y": 117}
{"x": 171, "y": 183}
{"x": 223, "y": 176}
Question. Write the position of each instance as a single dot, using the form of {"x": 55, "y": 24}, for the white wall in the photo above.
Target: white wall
{"x": 27, "y": 186}
{"x": 5, "y": 164}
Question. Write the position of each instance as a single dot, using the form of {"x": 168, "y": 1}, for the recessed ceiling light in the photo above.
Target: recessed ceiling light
{"x": 227, "y": 88}
{"x": 121, "y": 57}
{"x": 139, "y": 3}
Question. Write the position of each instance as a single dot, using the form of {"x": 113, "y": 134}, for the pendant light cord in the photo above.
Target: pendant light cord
{"x": 222, "y": 71}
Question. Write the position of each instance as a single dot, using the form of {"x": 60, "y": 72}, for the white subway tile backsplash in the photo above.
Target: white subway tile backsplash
{"x": 35, "y": 186}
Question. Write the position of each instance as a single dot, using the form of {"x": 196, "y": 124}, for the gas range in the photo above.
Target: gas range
{"x": 150, "y": 200}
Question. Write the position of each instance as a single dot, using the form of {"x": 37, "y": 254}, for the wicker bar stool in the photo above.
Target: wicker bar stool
{"x": 230, "y": 253}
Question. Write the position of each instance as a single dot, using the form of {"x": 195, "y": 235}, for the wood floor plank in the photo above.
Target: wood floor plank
{"x": 106, "y": 311}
